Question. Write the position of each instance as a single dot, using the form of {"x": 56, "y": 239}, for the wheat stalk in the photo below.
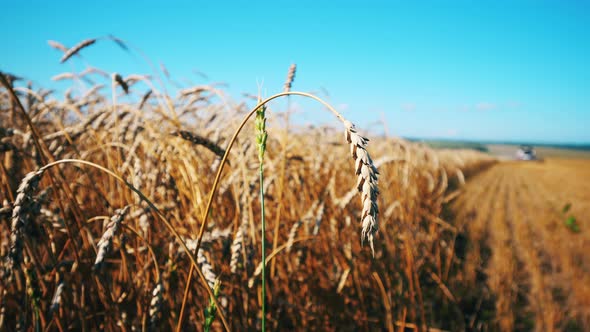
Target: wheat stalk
{"x": 3, "y": 307}
{"x": 344, "y": 200}
{"x": 32, "y": 285}
{"x": 318, "y": 219}
{"x": 261, "y": 138}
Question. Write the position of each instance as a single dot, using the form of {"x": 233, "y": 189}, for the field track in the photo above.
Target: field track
{"x": 534, "y": 269}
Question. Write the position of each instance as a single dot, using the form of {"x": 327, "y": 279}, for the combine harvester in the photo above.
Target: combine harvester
{"x": 527, "y": 153}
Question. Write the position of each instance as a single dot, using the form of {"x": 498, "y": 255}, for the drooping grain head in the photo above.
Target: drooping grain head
{"x": 57, "y": 45}
{"x": 367, "y": 176}
{"x": 200, "y": 140}
{"x": 119, "y": 80}
{"x": 104, "y": 244}
{"x": 57, "y": 298}
{"x": 238, "y": 245}
{"x": 21, "y": 207}
{"x": 206, "y": 268}
{"x": 77, "y": 48}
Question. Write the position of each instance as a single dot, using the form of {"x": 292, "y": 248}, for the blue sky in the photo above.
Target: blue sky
{"x": 479, "y": 70}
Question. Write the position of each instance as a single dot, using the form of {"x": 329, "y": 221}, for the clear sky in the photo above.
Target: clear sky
{"x": 491, "y": 70}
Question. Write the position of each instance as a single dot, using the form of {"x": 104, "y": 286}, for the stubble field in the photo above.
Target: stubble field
{"x": 527, "y": 248}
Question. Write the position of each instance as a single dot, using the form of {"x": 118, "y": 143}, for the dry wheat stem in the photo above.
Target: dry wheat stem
{"x": 344, "y": 200}
{"x": 318, "y": 219}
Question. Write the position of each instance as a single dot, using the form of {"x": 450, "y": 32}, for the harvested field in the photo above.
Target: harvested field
{"x": 526, "y": 252}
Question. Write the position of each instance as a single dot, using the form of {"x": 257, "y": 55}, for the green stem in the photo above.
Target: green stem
{"x": 37, "y": 319}
{"x": 263, "y": 247}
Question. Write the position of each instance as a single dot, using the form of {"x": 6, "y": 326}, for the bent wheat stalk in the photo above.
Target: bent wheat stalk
{"x": 365, "y": 170}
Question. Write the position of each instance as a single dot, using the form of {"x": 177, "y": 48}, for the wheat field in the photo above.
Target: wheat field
{"x": 106, "y": 188}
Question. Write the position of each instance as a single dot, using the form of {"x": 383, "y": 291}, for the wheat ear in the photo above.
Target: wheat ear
{"x": 77, "y": 48}
{"x": 306, "y": 218}
{"x": 57, "y": 298}
{"x": 156, "y": 305}
{"x": 119, "y": 79}
{"x": 238, "y": 244}
{"x": 206, "y": 268}
{"x": 200, "y": 140}
{"x": 19, "y": 211}
{"x": 57, "y": 45}
{"x": 367, "y": 175}
{"x": 106, "y": 240}
{"x": 290, "y": 78}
